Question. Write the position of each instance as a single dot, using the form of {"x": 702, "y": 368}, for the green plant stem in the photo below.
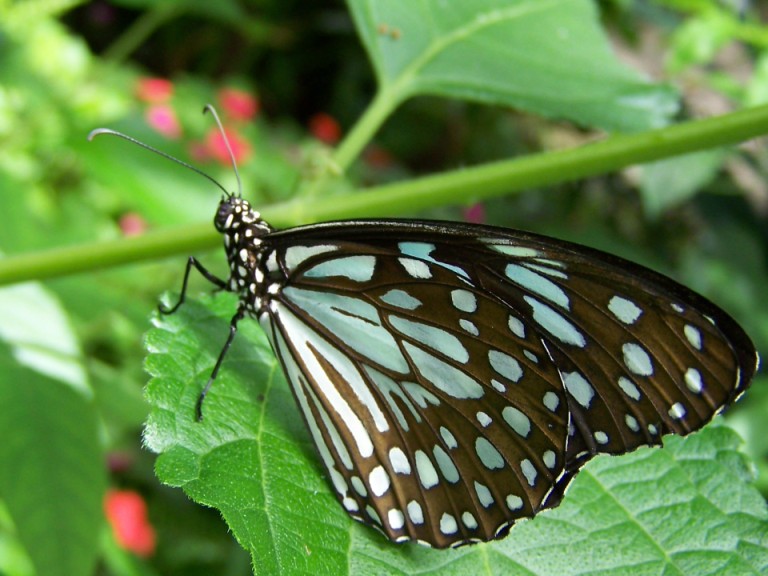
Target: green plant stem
{"x": 364, "y": 129}
{"x": 353, "y": 143}
{"x": 142, "y": 29}
{"x": 458, "y": 186}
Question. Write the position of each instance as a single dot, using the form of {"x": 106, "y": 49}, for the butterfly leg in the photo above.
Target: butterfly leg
{"x": 221, "y": 284}
{"x": 232, "y": 331}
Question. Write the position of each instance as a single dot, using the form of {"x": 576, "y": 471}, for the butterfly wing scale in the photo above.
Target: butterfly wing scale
{"x": 455, "y": 377}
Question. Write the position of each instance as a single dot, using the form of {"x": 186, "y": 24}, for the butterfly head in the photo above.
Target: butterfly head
{"x": 234, "y": 213}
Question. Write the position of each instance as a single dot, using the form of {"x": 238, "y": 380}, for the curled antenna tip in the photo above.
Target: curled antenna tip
{"x": 93, "y": 133}
{"x": 212, "y": 110}
{"x": 99, "y": 131}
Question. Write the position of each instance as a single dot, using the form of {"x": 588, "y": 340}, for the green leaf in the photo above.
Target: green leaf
{"x": 33, "y": 322}
{"x": 545, "y": 56}
{"x": 251, "y": 456}
{"x": 687, "y": 509}
{"x": 52, "y": 474}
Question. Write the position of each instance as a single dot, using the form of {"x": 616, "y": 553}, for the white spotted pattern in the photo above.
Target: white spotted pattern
{"x": 514, "y": 502}
{"x": 629, "y": 388}
{"x": 415, "y": 512}
{"x": 529, "y": 471}
{"x": 518, "y": 421}
{"x": 484, "y": 419}
{"x": 624, "y": 310}
{"x": 446, "y": 465}
{"x": 483, "y": 494}
{"x": 396, "y": 519}
{"x": 516, "y": 326}
{"x": 469, "y": 520}
{"x": 579, "y": 388}
{"x": 601, "y": 437}
{"x": 637, "y": 359}
{"x": 379, "y": 481}
{"x": 505, "y": 365}
{"x": 488, "y": 454}
{"x": 399, "y": 461}
{"x": 555, "y": 323}
{"x": 469, "y": 326}
{"x": 694, "y": 381}
{"x": 426, "y": 471}
{"x": 551, "y": 401}
{"x": 416, "y": 268}
{"x": 677, "y": 411}
{"x": 448, "y": 438}
{"x": 464, "y": 301}
{"x": 693, "y": 335}
{"x": 448, "y": 524}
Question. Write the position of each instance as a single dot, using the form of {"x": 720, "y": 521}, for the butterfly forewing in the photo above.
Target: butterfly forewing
{"x": 455, "y": 377}
{"x": 435, "y": 421}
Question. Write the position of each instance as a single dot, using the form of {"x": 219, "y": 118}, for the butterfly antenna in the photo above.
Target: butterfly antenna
{"x": 212, "y": 110}
{"x": 100, "y": 131}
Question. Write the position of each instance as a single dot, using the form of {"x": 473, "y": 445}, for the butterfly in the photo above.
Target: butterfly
{"x": 455, "y": 377}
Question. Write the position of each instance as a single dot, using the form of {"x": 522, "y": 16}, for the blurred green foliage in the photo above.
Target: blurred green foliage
{"x": 72, "y": 416}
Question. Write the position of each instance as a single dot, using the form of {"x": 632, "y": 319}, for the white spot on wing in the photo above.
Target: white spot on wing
{"x": 629, "y": 388}
{"x": 400, "y": 299}
{"x": 555, "y": 323}
{"x": 399, "y": 461}
{"x": 538, "y": 284}
{"x": 551, "y": 401}
{"x": 518, "y": 421}
{"x": 358, "y": 268}
{"x": 448, "y": 524}
{"x": 426, "y": 471}
{"x": 415, "y": 268}
{"x": 693, "y": 335}
{"x": 396, "y": 519}
{"x": 579, "y": 388}
{"x": 443, "y": 376}
{"x": 483, "y": 494}
{"x": 464, "y": 300}
{"x": 637, "y": 359}
{"x": 514, "y": 502}
{"x": 488, "y": 454}
{"x": 415, "y": 512}
{"x": 693, "y": 380}
{"x": 677, "y": 411}
{"x": 505, "y": 365}
{"x": 529, "y": 471}
{"x": 625, "y": 310}
{"x": 379, "y": 481}
{"x": 295, "y": 255}
{"x": 432, "y": 337}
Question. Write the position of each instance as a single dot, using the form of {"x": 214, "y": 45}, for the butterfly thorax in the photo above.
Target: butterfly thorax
{"x": 243, "y": 230}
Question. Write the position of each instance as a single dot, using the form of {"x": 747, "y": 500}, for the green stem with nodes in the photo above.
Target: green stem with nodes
{"x": 457, "y": 186}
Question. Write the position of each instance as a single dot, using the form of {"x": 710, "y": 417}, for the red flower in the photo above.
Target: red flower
{"x": 237, "y": 104}
{"x": 127, "y": 513}
{"x": 377, "y": 157}
{"x": 325, "y": 128}
{"x": 217, "y": 149}
{"x": 475, "y": 213}
{"x": 154, "y": 90}
{"x": 162, "y": 118}
{"x": 132, "y": 224}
